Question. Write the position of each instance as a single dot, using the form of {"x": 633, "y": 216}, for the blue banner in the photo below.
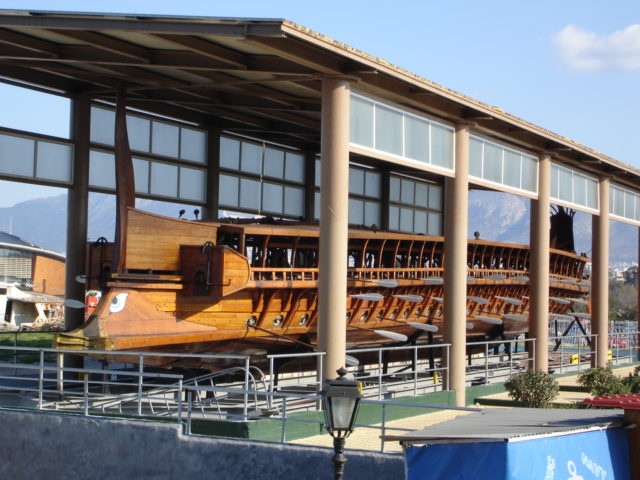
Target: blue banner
{"x": 599, "y": 455}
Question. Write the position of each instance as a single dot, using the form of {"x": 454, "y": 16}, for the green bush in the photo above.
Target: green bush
{"x": 602, "y": 382}
{"x": 532, "y": 389}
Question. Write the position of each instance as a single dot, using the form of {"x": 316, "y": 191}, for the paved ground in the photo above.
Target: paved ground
{"x": 369, "y": 438}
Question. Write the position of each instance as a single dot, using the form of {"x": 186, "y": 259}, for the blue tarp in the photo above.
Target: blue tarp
{"x": 597, "y": 455}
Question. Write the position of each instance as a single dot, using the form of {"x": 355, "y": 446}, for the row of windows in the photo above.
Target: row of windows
{"x": 569, "y": 186}
{"x": 31, "y": 157}
{"x": 503, "y": 166}
{"x": 380, "y": 127}
{"x": 624, "y": 203}
{"x": 260, "y": 196}
{"x": 416, "y": 207}
{"x": 151, "y": 136}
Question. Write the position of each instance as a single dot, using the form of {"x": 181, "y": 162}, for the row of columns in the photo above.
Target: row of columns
{"x": 334, "y": 238}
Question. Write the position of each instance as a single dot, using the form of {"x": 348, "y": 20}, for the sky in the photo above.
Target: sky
{"x": 570, "y": 66}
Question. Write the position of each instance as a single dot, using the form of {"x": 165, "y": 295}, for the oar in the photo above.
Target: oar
{"x": 380, "y": 283}
{"x": 370, "y": 297}
{"x": 294, "y": 340}
{"x": 410, "y": 298}
{"x": 491, "y": 320}
{"x": 511, "y": 300}
{"x": 514, "y": 318}
{"x": 398, "y": 337}
{"x": 433, "y": 280}
{"x": 420, "y": 326}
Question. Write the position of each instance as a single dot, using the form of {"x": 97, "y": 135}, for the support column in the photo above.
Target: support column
{"x": 455, "y": 263}
{"x": 334, "y": 200}
{"x": 539, "y": 266}
{"x": 600, "y": 275}
{"x": 213, "y": 175}
{"x": 77, "y": 210}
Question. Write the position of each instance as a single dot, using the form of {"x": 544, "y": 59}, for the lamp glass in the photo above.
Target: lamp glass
{"x": 342, "y": 412}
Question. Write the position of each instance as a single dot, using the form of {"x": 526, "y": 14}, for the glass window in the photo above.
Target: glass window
{"x": 139, "y": 132}
{"x": 164, "y": 179}
{"x": 361, "y": 121}
{"x": 555, "y": 174}
{"x": 629, "y": 205}
{"x": 394, "y": 189}
{"x": 250, "y": 194}
{"x": 435, "y": 197}
{"x": 272, "y": 197}
{"x": 372, "y": 184}
{"x": 356, "y": 181}
{"x": 54, "y": 161}
{"x": 394, "y": 218}
{"x": 441, "y": 146}
{"x": 294, "y": 201}
{"x": 193, "y": 145}
{"x": 565, "y": 184}
{"x": 512, "y": 169}
{"x": 318, "y": 173}
{"x": 592, "y": 193}
{"x": 529, "y": 178}
{"x": 492, "y": 167}
{"x": 17, "y": 155}
{"x": 475, "y": 157}
{"x": 229, "y": 189}
{"x": 316, "y": 205}
{"x": 165, "y": 140}
{"x": 416, "y": 140}
{"x": 579, "y": 190}
{"x": 407, "y": 192}
{"x": 251, "y": 158}
{"x": 192, "y": 184}
{"x": 102, "y": 169}
{"x": 103, "y": 124}
{"x": 371, "y": 214}
{"x": 356, "y": 211}
{"x": 388, "y": 130}
{"x": 141, "y": 175}
{"x": 273, "y": 163}
{"x": 406, "y": 219}
{"x": 229, "y": 153}
{"x": 420, "y": 222}
{"x": 422, "y": 195}
{"x": 435, "y": 224}
{"x": 294, "y": 167}
{"x": 637, "y": 216}
{"x": 618, "y": 202}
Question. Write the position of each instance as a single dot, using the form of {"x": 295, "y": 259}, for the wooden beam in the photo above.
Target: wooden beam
{"x": 207, "y": 49}
{"x": 107, "y": 43}
{"x": 300, "y": 53}
{"x": 28, "y": 42}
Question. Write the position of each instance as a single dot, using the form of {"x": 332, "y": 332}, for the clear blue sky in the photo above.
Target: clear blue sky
{"x": 570, "y": 66}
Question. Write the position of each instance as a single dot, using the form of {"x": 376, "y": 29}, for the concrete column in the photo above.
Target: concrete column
{"x": 600, "y": 275}
{"x": 77, "y": 210}
{"x": 334, "y": 200}
{"x": 455, "y": 263}
{"x": 213, "y": 175}
{"x": 539, "y": 266}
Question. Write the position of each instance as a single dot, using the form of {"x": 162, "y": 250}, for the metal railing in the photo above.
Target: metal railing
{"x": 497, "y": 360}
{"x": 624, "y": 346}
{"x": 572, "y": 353}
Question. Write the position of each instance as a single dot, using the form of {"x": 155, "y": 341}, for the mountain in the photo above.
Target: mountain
{"x": 497, "y": 216}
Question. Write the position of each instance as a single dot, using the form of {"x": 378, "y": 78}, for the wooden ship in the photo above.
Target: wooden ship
{"x": 176, "y": 285}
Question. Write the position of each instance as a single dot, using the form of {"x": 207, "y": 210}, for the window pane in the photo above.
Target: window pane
{"x": 422, "y": 195}
{"x": 629, "y": 205}
{"x": 356, "y": 181}
{"x": 103, "y": 124}
{"x": 435, "y": 197}
{"x": 372, "y": 184}
{"x": 529, "y": 177}
{"x": 420, "y": 222}
{"x": 316, "y": 205}
{"x": 102, "y": 169}
{"x": 579, "y": 190}
{"x": 193, "y": 145}
{"x": 164, "y": 179}
{"x": 17, "y": 155}
{"x": 416, "y": 139}
{"x": 592, "y": 193}
{"x": 441, "y": 146}
{"x": 637, "y": 217}
{"x": 406, "y": 219}
{"x": 54, "y": 161}
{"x": 475, "y": 157}
{"x": 564, "y": 185}
{"x": 394, "y": 189}
{"x": 555, "y": 173}
{"x": 361, "y": 122}
{"x": 251, "y": 158}
{"x": 318, "y": 173}
{"x": 228, "y": 190}
{"x": 229, "y": 153}
{"x": 371, "y": 214}
{"x": 272, "y": 195}
{"x": 165, "y": 139}
{"x": 406, "y": 193}
{"x": 435, "y": 224}
{"x": 618, "y": 202}
{"x": 512, "y": 169}
{"x": 141, "y": 175}
{"x": 273, "y": 163}
{"x": 250, "y": 194}
{"x": 394, "y": 218}
{"x": 192, "y": 184}
{"x": 492, "y": 168}
{"x": 356, "y": 211}
{"x": 294, "y": 167}
{"x": 294, "y": 201}
{"x": 388, "y": 130}
{"x": 139, "y": 131}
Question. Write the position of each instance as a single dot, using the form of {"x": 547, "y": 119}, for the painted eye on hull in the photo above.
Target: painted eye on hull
{"x": 118, "y": 302}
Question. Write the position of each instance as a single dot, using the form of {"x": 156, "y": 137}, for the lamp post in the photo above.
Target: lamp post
{"x": 340, "y": 399}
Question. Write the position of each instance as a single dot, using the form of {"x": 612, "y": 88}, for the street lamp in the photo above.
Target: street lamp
{"x": 340, "y": 399}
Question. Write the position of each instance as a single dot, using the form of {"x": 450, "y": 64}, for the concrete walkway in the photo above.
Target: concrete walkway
{"x": 369, "y": 438}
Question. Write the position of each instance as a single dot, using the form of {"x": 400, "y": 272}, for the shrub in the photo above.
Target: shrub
{"x": 532, "y": 389}
{"x": 602, "y": 382}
